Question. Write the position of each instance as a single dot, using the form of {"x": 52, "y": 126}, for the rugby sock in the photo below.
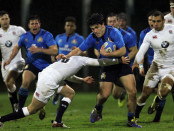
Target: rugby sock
{"x": 15, "y": 115}
{"x": 62, "y": 107}
{"x": 138, "y": 109}
{"x": 99, "y": 109}
{"x": 130, "y": 116}
{"x": 23, "y": 94}
{"x": 13, "y": 99}
{"x": 159, "y": 110}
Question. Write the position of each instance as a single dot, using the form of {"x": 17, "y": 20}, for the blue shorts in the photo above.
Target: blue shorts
{"x": 114, "y": 72}
{"x": 33, "y": 69}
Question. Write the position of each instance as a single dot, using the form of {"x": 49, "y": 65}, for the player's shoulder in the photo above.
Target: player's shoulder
{"x": 79, "y": 36}
{"x": 167, "y": 15}
{"x": 61, "y": 35}
{"x": 145, "y": 31}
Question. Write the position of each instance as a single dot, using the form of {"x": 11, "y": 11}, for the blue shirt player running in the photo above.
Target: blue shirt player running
{"x": 39, "y": 45}
{"x": 108, "y": 75}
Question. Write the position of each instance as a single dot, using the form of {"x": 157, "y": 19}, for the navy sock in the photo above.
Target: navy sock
{"x": 13, "y": 98}
{"x": 138, "y": 110}
{"x": 130, "y": 116}
{"x": 12, "y": 116}
{"x": 23, "y": 94}
{"x": 62, "y": 107}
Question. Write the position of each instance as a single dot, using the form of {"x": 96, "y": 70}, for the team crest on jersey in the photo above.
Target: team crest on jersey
{"x": 60, "y": 41}
{"x": 164, "y": 44}
{"x": 109, "y": 39}
{"x": 169, "y": 21}
{"x": 26, "y": 40}
{"x": 97, "y": 42}
{"x": 154, "y": 37}
{"x": 14, "y": 33}
{"x": 74, "y": 41}
{"x": 40, "y": 39}
{"x": 37, "y": 94}
{"x": 8, "y": 43}
{"x": 170, "y": 32}
{"x": 103, "y": 75}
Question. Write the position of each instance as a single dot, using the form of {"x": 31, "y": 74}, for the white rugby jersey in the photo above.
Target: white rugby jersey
{"x": 162, "y": 43}
{"x": 169, "y": 19}
{"x": 8, "y": 40}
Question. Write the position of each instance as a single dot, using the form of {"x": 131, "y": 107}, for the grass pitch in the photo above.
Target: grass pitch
{"x": 78, "y": 113}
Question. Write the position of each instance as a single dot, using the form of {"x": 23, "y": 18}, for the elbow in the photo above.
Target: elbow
{"x": 55, "y": 52}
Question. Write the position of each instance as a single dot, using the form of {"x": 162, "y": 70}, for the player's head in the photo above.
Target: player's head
{"x": 4, "y": 20}
{"x": 122, "y": 20}
{"x": 34, "y": 24}
{"x": 70, "y": 25}
{"x": 172, "y": 6}
{"x": 96, "y": 23}
{"x": 111, "y": 20}
{"x": 149, "y": 17}
{"x": 158, "y": 20}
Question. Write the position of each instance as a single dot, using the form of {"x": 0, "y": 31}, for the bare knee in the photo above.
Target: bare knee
{"x": 164, "y": 89}
{"x": 9, "y": 84}
{"x": 70, "y": 94}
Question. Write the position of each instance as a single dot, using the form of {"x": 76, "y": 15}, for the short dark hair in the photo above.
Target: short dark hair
{"x": 111, "y": 15}
{"x": 70, "y": 19}
{"x": 95, "y": 18}
{"x": 158, "y": 13}
{"x": 150, "y": 13}
{"x": 122, "y": 16}
{"x": 34, "y": 17}
{"x": 3, "y": 13}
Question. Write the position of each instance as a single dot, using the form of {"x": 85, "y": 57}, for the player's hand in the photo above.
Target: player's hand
{"x": 135, "y": 66}
{"x": 125, "y": 60}
{"x": 6, "y": 63}
{"x": 103, "y": 51}
{"x": 88, "y": 80}
{"x": 141, "y": 72}
{"x": 61, "y": 56}
{"x": 34, "y": 49}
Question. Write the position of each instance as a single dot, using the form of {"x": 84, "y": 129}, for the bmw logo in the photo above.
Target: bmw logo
{"x": 8, "y": 43}
{"x": 165, "y": 44}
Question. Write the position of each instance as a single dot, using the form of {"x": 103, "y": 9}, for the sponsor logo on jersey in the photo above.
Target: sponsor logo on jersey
{"x": 97, "y": 42}
{"x": 164, "y": 44}
{"x": 154, "y": 37}
{"x": 40, "y": 39}
{"x": 103, "y": 75}
{"x": 170, "y": 32}
{"x": 74, "y": 41}
{"x": 8, "y": 43}
{"x": 14, "y": 33}
{"x": 60, "y": 41}
{"x": 26, "y": 40}
{"x": 169, "y": 21}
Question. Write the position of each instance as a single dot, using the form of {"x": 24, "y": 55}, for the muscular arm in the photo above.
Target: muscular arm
{"x": 74, "y": 52}
{"x": 133, "y": 51}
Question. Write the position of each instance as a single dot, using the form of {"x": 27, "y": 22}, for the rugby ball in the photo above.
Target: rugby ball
{"x": 109, "y": 46}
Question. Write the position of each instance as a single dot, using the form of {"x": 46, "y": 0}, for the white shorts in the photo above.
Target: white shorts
{"x": 46, "y": 87}
{"x": 156, "y": 73}
{"x": 17, "y": 66}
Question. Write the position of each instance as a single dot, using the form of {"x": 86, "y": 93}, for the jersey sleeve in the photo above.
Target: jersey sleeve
{"x": 117, "y": 38}
{"x": 87, "y": 43}
{"x": 20, "y": 31}
{"x": 20, "y": 42}
{"x": 141, "y": 39}
{"x": 50, "y": 40}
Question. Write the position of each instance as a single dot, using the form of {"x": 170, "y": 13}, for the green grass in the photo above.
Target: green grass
{"x": 77, "y": 116}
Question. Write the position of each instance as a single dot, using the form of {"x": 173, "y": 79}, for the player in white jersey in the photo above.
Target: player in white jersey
{"x": 9, "y": 36}
{"x": 48, "y": 84}
{"x": 169, "y": 18}
{"x": 161, "y": 39}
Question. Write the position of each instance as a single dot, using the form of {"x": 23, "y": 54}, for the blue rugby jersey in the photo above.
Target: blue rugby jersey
{"x": 43, "y": 39}
{"x": 129, "y": 42}
{"x": 65, "y": 43}
{"x": 130, "y": 30}
{"x": 150, "y": 51}
{"x": 111, "y": 34}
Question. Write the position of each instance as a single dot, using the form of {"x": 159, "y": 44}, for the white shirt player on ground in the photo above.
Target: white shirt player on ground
{"x": 9, "y": 36}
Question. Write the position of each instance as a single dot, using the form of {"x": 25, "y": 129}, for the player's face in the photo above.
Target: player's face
{"x": 70, "y": 28}
{"x": 5, "y": 21}
{"x": 158, "y": 23}
{"x": 98, "y": 29}
{"x": 172, "y": 10}
{"x": 122, "y": 23}
{"x": 112, "y": 21}
{"x": 150, "y": 22}
{"x": 34, "y": 26}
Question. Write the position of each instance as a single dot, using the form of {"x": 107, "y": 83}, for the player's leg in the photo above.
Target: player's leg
{"x": 11, "y": 87}
{"x": 129, "y": 83}
{"x": 164, "y": 88}
{"x": 102, "y": 96}
{"x": 27, "y": 78}
{"x": 68, "y": 93}
{"x": 119, "y": 93}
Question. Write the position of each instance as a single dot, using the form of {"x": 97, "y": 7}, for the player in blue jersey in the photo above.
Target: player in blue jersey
{"x": 122, "y": 22}
{"x": 39, "y": 45}
{"x": 108, "y": 75}
{"x": 131, "y": 50}
{"x": 68, "y": 41}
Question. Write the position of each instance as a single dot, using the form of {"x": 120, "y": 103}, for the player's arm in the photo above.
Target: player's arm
{"x": 96, "y": 52}
{"x": 52, "y": 50}
{"x": 80, "y": 80}
{"x": 132, "y": 52}
{"x": 15, "y": 50}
